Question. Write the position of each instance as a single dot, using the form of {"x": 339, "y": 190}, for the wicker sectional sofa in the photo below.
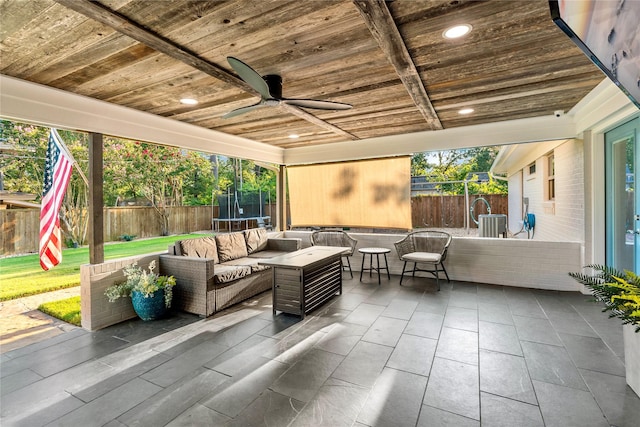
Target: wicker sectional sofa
{"x": 213, "y": 273}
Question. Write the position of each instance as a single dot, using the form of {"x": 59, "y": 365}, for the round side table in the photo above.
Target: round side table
{"x": 377, "y": 252}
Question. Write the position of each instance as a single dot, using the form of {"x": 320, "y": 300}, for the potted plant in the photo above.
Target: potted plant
{"x": 150, "y": 294}
{"x": 620, "y": 293}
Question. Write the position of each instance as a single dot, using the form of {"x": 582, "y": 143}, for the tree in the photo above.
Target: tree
{"x": 246, "y": 177}
{"x": 198, "y": 181}
{"x": 419, "y": 164}
{"x": 158, "y": 176}
{"x": 138, "y": 169}
{"x": 23, "y": 171}
{"x": 23, "y": 167}
{"x": 458, "y": 165}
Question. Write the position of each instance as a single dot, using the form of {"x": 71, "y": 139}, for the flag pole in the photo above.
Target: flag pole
{"x": 68, "y": 153}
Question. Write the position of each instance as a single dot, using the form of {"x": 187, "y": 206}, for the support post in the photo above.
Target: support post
{"x": 96, "y": 211}
{"x": 281, "y": 197}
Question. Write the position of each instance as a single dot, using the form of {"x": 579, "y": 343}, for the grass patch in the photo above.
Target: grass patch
{"x": 22, "y": 276}
{"x": 64, "y": 309}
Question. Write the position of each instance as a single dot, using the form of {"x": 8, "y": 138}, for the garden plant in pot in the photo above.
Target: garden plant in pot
{"x": 150, "y": 294}
{"x": 619, "y": 291}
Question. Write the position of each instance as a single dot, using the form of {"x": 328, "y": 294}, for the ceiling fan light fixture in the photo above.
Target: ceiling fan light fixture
{"x": 457, "y": 31}
{"x": 188, "y": 101}
{"x": 269, "y": 87}
{"x": 465, "y": 111}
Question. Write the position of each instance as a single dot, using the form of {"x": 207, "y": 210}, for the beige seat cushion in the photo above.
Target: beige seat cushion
{"x": 256, "y": 239}
{"x": 229, "y": 273}
{"x": 249, "y": 262}
{"x": 422, "y": 257}
{"x": 231, "y": 246}
{"x": 267, "y": 254}
{"x": 202, "y": 247}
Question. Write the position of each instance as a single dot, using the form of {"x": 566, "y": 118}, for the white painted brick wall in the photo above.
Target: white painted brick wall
{"x": 515, "y": 262}
{"x": 509, "y": 262}
{"x": 566, "y": 221}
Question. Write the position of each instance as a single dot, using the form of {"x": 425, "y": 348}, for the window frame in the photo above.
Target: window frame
{"x": 550, "y": 178}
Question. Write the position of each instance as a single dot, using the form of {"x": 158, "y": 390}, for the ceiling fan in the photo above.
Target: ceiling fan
{"x": 270, "y": 89}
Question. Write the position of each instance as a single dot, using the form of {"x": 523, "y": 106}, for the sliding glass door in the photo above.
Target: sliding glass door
{"x": 622, "y": 200}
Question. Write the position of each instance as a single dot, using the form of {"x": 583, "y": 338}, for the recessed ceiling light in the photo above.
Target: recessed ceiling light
{"x": 456, "y": 31}
{"x": 466, "y": 111}
{"x": 294, "y": 136}
{"x": 189, "y": 101}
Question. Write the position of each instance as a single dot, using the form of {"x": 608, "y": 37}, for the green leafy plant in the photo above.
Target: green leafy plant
{"x": 618, "y": 290}
{"x": 141, "y": 281}
{"x": 127, "y": 237}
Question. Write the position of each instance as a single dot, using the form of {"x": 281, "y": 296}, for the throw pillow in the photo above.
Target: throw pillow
{"x": 202, "y": 247}
{"x": 231, "y": 246}
{"x": 256, "y": 239}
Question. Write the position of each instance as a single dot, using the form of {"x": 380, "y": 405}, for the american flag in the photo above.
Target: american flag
{"x": 57, "y": 171}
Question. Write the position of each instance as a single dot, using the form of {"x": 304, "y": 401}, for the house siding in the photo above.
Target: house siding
{"x": 561, "y": 220}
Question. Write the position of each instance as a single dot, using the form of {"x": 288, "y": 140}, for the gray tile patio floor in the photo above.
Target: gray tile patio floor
{"x": 384, "y": 355}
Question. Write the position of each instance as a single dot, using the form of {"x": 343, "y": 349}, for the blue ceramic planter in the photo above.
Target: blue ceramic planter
{"x": 150, "y": 308}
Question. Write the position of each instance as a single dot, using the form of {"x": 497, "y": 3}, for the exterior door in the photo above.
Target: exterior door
{"x": 622, "y": 201}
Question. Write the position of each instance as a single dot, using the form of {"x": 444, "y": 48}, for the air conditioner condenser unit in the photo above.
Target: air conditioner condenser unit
{"x": 492, "y": 225}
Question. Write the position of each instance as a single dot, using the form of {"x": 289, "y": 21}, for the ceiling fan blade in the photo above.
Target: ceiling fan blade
{"x": 250, "y": 76}
{"x": 243, "y": 110}
{"x": 317, "y": 104}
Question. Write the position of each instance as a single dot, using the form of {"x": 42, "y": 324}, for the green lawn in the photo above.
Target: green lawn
{"x": 64, "y": 309}
{"x": 22, "y": 275}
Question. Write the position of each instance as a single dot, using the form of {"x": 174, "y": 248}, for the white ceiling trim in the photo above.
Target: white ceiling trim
{"x": 514, "y": 158}
{"x": 604, "y": 107}
{"x": 28, "y": 102}
{"x": 33, "y": 103}
{"x": 535, "y": 129}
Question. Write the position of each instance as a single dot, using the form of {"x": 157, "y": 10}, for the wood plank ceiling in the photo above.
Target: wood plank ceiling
{"x": 389, "y": 60}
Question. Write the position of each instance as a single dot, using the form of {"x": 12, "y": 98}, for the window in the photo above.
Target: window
{"x": 550, "y": 178}
{"x": 532, "y": 169}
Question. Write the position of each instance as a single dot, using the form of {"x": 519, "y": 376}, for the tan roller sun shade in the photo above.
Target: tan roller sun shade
{"x": 366, "y": 193}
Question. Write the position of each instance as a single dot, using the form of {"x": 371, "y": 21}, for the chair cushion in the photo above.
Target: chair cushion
{"x": 231, "y": 246}
{"x": 202, "y": 247}
{"x": 422, "y": 257}
{"x": 267, "y": 254}
{"x": 229, "y": 273}
{"x": 256, "y": 239}
{"x": 248, "y": 262}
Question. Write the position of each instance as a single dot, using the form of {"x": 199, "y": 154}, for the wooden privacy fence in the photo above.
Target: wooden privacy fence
{"x": 449, "y": 211}
{"x": 20, "y": 227}
{"x": 20, "y": 231}
{"x": 143, "y": 221}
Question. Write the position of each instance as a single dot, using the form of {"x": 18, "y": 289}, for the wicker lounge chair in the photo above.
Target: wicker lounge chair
{"x": 336, "y": 238}
{"x": 424, "y": 247}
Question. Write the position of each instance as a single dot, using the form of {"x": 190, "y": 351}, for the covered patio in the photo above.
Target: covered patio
{"x": 490, "y": 348}
{"x": 471, "y": 354}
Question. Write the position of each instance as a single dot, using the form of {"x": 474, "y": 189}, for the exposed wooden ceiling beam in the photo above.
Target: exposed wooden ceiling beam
{"x": 122, "y": 24}
{"x": 383, "y": 28}
{"x": 313, "y": 119}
